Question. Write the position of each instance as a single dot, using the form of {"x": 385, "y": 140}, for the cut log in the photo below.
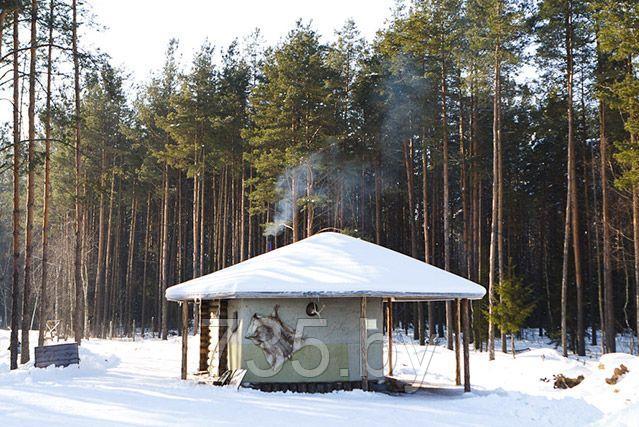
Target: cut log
{"x": 205, "y": 335}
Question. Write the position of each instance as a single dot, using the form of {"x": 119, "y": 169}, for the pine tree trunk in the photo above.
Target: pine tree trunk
{"x": 243, "y": 227}
{"x": 362, "y": 199}
{"x": 44, "y": 296}
{"x": 500, "y": 206}
{"x": 463, "y": 188}
{"x": 249, "y": 219}
{"x": 474, "y": 184}
{"x": 445, "y": 189}
{"x": 608, "y": 292}
{"x": 225, "y": 218}
{"x": 550, "y": 324}
{"x": 233, "y": 216}
{"x": 164, "y": 267}
{"x": 425, "y": 216}
{"x": 100, "y": 268}
{"x": 218, "y": 220}
{"x": 564, "y": 273}
{"x": 378, "y": 201}
{"x": 597, "y": 307}
{"x": 79, "y": 293}
{"x": 215, "y": 185}
{"x": 495, "y": 208}
{"x": 147, "y": 234}
{"x": 102, "y": 310}
{"x": 590, "y": 219}
{"x": 16, "y": 314}
{"x": 28, "y": 253}
{"x": 310, "y": 211}
{"x": 407, "y": 151}
{"x": 465, "y": 228}
{"x": 157, "y": 300}
{"x": 115, "y": 282}
{"x": 477, "y": 212}
{"x": 581, "y": 349}
{"x": 5, "y": 309}
{"x": 85, "y": 250}
{"x": 180, "y": 239}
{"x": 202, "y": 222}
{"x": 296, "y": 217}
{"x": 196, "y": 226}
{"x": 623, "y": 264}
{"x": 445, "y": 205}
{"x": 129, "y": 265}
{"x": 635, "y": 229}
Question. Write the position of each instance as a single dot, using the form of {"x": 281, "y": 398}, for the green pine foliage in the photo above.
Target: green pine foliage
{"x": 290, "y": 110}
{"x": 514, "y": 305}
{"x": 619, "y": 36}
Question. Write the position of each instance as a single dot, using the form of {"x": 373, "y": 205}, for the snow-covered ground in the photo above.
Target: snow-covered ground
{"x": 136, "y": 383}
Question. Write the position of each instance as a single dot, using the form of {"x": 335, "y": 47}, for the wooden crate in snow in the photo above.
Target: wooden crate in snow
{"x": 58, "y": 355}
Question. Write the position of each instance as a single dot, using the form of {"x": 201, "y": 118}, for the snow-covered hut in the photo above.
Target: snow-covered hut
{"x": 310, "y": 315}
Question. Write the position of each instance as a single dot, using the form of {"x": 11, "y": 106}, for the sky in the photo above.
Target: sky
{"x": 137, "y": 31}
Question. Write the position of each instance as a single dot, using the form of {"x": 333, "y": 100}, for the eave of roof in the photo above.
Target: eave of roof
{"x": 329, "y": 265}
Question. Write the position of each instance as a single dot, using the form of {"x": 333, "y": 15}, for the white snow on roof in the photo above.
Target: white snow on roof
{"x": 329, "y": 265}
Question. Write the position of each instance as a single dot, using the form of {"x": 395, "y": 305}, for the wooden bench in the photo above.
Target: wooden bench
{"x": 58, "y": 355}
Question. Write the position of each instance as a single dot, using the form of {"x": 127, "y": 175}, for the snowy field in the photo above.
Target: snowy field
{"x": 136, "y": 383}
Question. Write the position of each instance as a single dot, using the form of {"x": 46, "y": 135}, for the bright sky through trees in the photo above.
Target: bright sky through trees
{"x": 138, "y": 31}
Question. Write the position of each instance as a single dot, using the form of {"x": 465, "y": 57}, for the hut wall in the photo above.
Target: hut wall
{"x": 328, "y": 353}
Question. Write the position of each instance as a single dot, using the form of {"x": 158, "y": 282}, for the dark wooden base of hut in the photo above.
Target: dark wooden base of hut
{"x": 392, "y": 386}
{"x": 324, "y": 387}
{"x": 319, "y": 387}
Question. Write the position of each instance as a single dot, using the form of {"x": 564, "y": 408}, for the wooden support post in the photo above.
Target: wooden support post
{"x": 363, "y": 345}
{"x": 222, "y": 352}
{"x": 185, "y": 336}
{"x": 197, "y": 309}
{"x": 466, "y": 341}
{"x": 389, "y": 331}
{"x": 457, "y": 311}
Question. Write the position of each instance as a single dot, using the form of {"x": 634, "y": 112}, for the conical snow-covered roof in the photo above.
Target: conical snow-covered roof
{"x": 329, "y": 265}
